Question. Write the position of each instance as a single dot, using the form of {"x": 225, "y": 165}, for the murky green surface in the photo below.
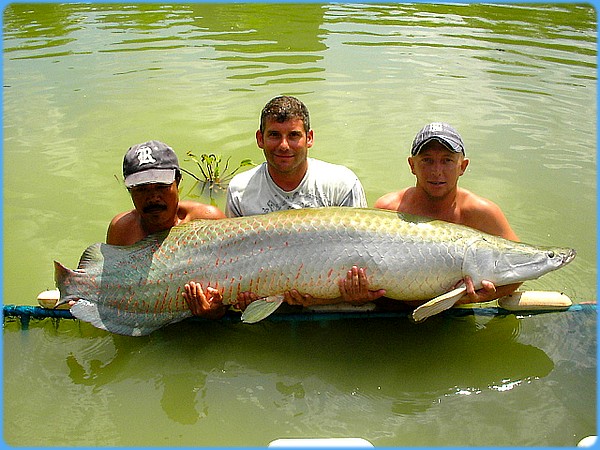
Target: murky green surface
{"x": 84, "y": 82}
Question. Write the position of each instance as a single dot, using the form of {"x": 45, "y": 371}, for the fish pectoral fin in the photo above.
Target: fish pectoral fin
{"x": 438, "y": 304}
{"x": 261, "y": 308}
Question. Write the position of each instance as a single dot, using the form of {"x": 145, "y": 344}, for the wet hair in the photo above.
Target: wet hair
{"x": 284, "y": 108}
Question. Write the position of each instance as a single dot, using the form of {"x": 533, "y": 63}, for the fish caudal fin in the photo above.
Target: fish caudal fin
{"x": 61, "y": 273}
{"x": 64, "y": 279}
{"x": 261, "y": 309}
{"x": 438, "y": 304}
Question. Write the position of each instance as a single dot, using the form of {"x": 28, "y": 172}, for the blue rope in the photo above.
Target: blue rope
{"x": 26, "y": 313}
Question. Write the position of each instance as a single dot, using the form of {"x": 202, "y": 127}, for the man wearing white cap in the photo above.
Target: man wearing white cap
{"x": 438, "y": 160}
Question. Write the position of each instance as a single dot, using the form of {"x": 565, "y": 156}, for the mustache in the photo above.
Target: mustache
{"x": 156, "y": 207}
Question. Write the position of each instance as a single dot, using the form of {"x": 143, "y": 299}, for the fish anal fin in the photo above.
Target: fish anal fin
{"x": 88, "y": 311}
{"x": 438, "y": 304}
{"x": 261, "y": 308}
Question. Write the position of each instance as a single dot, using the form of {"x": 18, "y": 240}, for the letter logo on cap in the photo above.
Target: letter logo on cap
{"x": 144, "y": 155}
{"x": 436, "y": 127}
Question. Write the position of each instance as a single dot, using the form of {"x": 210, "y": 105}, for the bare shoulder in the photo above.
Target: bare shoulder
{"x": 123, "y": 219}
{"x": 485, "y": 215}
{"x": 391, "y": 200}
{"x": 475, "y": 204}
{"x": 123, "y": 229}
{"x": 195, "y": 210}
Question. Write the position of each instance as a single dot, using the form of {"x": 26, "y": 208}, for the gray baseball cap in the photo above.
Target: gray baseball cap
{"x": 150, "y": 162}
{"x": 442, "y": 132}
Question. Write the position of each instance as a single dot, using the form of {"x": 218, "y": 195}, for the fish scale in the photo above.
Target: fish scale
{"x": 136, "y": 289}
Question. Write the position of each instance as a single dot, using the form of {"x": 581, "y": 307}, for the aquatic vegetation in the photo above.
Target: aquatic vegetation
{"x": 214, "y": 174}
{"x": 211, "y": 168}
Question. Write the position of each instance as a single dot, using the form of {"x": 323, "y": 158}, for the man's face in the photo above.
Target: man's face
{"x": 437, "y": 169}
{"x": 156, "y": 202}
{"x": 285, "y": 145}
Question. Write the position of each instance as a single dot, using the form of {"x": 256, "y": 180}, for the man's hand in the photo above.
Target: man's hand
{"x": 207, "y": 304}
{"x": 244, "y": 299}
{"x": 355, "y": 287}
{"x": 294, "y": 297}
{"x": 487, "y": 292}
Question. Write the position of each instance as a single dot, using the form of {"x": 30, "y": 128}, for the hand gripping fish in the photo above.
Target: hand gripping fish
{"x": 137, "y": 289}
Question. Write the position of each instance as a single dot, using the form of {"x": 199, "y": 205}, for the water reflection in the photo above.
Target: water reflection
{"x": 388, "y": 362}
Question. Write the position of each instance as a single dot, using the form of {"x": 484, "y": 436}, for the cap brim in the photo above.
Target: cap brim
{"x": 162, "y": 176}
{"x": 448, "y": 143}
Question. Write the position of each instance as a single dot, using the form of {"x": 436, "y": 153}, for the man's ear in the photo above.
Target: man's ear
{"x": 310, "y": 137}
{"x": 260, "y": 139}
{"x": 463, "y": 165}
{"x": 411, "y": 163}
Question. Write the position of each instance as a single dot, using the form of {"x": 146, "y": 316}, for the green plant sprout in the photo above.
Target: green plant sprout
{"x": 210, "y": 168}
{"x": 213, "y": 174}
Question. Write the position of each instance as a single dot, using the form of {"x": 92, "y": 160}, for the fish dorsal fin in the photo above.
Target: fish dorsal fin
{"x": 91, "y": 255}
{"x": 261, "y": 308}
{"x": 438, "y": 304}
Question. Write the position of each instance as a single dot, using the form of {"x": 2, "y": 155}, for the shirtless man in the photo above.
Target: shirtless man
{"x": 152, "y": 175}
{"x": 438, "y": 160}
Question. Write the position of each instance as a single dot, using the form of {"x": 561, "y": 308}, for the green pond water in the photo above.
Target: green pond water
{"x": 83, "y": 82}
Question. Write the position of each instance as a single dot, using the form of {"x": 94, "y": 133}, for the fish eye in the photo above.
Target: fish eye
{"x": 551, "y": 255}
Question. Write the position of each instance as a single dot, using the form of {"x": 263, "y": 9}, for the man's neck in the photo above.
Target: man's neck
{"x": 150, "y": 226}
{"x": 288, "y": 181}
{"x": 444, "y": 208}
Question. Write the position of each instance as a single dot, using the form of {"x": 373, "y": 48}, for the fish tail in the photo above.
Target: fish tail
{"x": 72, "y": 284}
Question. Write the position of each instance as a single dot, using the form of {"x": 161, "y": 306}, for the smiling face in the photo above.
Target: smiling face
{"x": 285, "y": 145}
{"x": 437, "y": 169}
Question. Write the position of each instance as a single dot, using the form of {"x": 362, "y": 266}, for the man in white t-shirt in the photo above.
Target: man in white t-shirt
{"x": 289, "y": 179}
{"x": 323, "y": 184}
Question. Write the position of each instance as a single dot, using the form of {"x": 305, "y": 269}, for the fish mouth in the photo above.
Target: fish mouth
{"x": 569, "y": 256}
{"x": 562, "y": 256}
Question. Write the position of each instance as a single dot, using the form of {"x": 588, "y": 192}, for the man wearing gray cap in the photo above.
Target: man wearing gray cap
{"x": 438, "y": 160}
{"x": 152, "y": 175}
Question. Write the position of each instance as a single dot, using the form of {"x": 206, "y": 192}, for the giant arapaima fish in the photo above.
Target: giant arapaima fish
{"x": 137, "y": 289}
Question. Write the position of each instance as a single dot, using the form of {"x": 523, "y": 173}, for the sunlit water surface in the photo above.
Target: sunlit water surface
{"x": 84, "y": 82}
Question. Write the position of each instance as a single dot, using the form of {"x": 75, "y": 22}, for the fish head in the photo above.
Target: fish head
{"x": 504, "y": 262}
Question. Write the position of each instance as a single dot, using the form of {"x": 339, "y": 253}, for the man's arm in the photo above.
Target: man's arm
{"x": 231, "y": 207}
{"x": 484, "y": 215}
{"x": 356, "y": 196}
